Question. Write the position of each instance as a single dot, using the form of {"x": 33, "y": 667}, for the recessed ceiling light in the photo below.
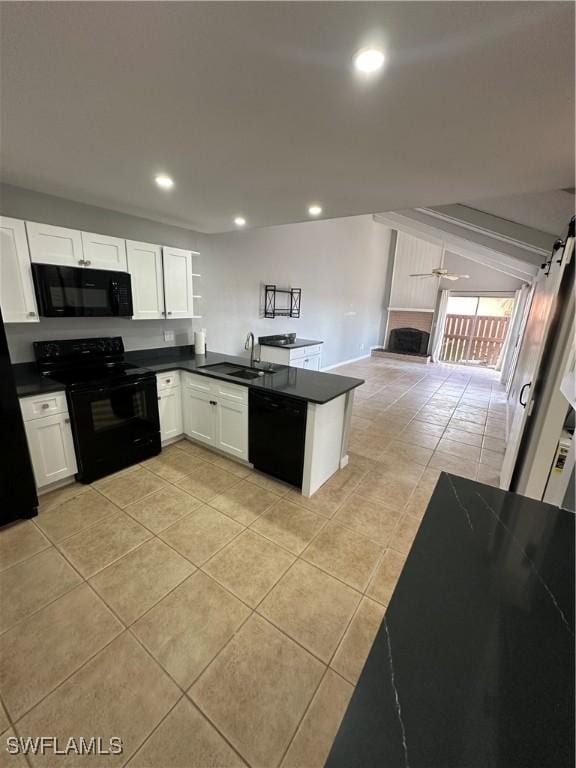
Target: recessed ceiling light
{"x": 315, "y": 210}
{"x": 240, "y": 221}
{"x": 163, "y": 181}
{"x": 369, "y": 60}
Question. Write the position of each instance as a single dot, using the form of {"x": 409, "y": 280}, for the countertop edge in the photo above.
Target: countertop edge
{"x": 163, "y": 367}
{"x": 29, "y": 382}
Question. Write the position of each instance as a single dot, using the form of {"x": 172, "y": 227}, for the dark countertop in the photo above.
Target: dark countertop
{"x": 272, "y": 341}
{"x": 312, "y": 386}
{"x": 473, "y": 665}
{"x": 29, "y": 381}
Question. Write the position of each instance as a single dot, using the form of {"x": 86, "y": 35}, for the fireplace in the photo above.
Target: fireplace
{"x": 408, "y": 341}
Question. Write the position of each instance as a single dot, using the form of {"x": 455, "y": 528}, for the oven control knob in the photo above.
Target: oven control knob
{"x": 51, "y": 350}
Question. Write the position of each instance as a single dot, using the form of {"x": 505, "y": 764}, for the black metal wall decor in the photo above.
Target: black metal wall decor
{"x": 290, "y": 307}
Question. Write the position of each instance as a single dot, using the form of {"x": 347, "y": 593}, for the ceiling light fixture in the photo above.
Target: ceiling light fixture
{"x": 315, "y": 209}
{"x": 369, "y": 60}
{"x": 163, "y": 181}
{"x": 240, "y": 221}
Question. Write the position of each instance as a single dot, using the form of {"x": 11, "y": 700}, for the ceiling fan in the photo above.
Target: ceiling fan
{"x": 443, "y": 273}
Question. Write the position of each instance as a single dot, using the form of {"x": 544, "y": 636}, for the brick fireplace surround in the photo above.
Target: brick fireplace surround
{"x": 397, "y": 318}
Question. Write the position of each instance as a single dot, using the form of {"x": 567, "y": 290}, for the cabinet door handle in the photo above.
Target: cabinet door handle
{"x": 45, "y": 406}
{"x": 31, "y": 314}
{"x": 168, "y": 381}
{"x": 87, "y": 263}
{"x": 81, "y": 262}
{"x": 213, "y": 402}
{"x": 168, "y": 313}
{"x": 66, "y": 421}
{"x": 159, "y": 398}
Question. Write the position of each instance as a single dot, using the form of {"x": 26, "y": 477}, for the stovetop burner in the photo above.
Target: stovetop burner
{"x": 81, "y": 363}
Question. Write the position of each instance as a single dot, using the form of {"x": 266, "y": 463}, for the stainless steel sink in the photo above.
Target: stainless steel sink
{"x": 236, "y": 371}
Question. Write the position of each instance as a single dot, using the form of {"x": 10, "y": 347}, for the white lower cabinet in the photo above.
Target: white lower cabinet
{"x": 309, "y": 357}
{"x": 199, "y": 416}
{"x": 169, "y": 405}
{"x": 170, "y": 410}
{"x": 216, "y": 413}
{"x": 312, "y": 363}
{"x": 232, "y": 428}
{"x": 49, "y": 438}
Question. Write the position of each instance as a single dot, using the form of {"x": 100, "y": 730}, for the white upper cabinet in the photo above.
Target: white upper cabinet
{"x": 145, "y": 267}
{"x": 17, "y": 297}
{"x": 104, "y": 252}
{"x": 178, "y": 293}
{"x": 415, "y": 256}
{"x": 55, "y": 245}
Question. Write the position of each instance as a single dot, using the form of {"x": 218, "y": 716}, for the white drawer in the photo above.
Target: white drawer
{"x": 43, "y": 405}
{"x": 199, "y": 383}
{"x": 167, "y": 380}
{"x": 231, "y": 392}
{"x": 315, "y": 349}
{"x": 295, "y": 354}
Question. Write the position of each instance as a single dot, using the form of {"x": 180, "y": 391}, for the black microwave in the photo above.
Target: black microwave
{"x": 80, "y": 292}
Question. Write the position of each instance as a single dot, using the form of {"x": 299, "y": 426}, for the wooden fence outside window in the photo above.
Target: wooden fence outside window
{"x": 476, "y": 339}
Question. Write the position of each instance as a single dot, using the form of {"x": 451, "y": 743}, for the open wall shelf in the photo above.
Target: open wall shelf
{"x": 280, "y": 302}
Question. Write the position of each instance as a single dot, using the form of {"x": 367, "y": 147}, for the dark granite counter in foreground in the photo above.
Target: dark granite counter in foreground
{"x": 473, "y": 665}
{"x": 312, "y": 386}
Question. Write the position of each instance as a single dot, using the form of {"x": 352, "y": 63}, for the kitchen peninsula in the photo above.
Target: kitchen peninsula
{"x": 288, "y": 422}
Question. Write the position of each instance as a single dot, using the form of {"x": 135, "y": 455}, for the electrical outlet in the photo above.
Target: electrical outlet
{"x": 168, "y": 335}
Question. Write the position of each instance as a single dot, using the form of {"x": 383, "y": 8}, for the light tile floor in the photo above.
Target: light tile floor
{"x": 212, "y": 616}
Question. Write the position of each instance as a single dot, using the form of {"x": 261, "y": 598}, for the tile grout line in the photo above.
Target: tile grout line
{"x": 297, "y": 557}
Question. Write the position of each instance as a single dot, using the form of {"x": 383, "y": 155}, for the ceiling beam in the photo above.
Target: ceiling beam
{"x": 499, "y": 260}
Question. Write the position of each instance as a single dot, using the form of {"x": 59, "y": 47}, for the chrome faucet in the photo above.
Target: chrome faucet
{"x": 249, "y": 344}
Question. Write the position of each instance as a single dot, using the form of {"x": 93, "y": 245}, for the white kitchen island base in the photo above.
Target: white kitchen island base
{"x": 326, "y": 448}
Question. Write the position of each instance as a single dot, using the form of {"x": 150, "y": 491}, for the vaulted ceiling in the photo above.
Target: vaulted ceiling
{"x": 254, "y": 108}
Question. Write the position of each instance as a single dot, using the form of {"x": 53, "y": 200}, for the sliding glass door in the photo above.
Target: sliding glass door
{"x": 476, "y": 329}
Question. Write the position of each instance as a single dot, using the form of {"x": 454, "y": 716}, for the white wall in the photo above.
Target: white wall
{"x": 341, "y": 266}
{"x": 482, "y": 278}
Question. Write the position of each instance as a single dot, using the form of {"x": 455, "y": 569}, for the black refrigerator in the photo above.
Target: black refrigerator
{"x": 18, "y": 497}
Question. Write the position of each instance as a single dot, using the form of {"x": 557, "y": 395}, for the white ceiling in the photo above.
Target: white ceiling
{"x": 547, "y": 211}
{"x": 254, "y": 108}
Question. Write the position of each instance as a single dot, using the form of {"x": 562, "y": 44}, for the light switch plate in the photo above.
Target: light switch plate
{"x": 168, "y": 335}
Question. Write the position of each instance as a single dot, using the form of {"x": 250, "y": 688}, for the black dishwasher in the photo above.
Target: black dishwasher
{"x": 277, "y": 435}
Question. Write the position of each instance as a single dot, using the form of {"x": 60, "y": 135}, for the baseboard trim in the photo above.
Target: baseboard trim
{"x": 55, "y": 486}
{"x": 346, "y": 362}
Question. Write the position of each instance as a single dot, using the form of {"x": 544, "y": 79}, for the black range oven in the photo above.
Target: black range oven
{"x": 79, "y": 292}
{"x": 113, "y": 405}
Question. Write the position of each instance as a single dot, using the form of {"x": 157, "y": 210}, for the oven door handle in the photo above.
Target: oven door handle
{"x": 134, "y": 384}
